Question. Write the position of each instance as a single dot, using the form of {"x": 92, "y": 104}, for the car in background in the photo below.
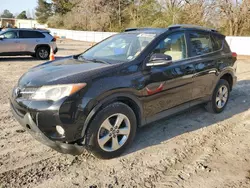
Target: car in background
{"x": 36, "y": 43}
{"x": 99, "y": 98}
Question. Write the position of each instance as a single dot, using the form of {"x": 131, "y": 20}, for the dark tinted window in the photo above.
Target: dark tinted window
{"x": 30, "y": 34}
{"x": 226, "y": 47}
{"x": 200, "y": 43}
{"x": 217, "y": 42}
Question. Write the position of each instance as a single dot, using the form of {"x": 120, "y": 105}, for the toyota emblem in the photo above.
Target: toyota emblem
{"x": 17, "y": 92}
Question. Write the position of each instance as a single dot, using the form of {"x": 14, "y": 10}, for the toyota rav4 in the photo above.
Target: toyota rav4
{"x": 97, "y": 100}
{"x": 34, "y": 42}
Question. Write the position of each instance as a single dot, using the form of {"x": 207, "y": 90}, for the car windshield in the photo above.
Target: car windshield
{"x": 119, "y": 48}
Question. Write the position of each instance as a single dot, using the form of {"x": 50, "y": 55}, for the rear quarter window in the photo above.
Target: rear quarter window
{"x": 226, "y": 47}
{"x": 217, "y": 42}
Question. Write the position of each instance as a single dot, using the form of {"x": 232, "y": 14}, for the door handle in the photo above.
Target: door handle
{"x": 17, "y": 41}
{"x": 189, "y": 68}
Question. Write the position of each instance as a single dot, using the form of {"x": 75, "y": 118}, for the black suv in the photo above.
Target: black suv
{"x": 97, "y": 99}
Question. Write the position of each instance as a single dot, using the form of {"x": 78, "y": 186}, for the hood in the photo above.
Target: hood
{"x": 64, "y": 71}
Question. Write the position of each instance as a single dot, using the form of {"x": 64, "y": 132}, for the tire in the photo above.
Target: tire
{"x": 213, "y": 105}
{"x": 43, "y": 53}
{"x": 100, "y": 141}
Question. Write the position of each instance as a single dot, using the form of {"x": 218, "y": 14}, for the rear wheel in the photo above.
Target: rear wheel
{"x": 111, "y": 131}
{"x": 43, "y": 53}
{"x": 220, "y": 97}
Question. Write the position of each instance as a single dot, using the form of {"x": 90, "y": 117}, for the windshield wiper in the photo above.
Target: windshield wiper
{"x": 93, "y": 60}
{"x": 98, "y": 61}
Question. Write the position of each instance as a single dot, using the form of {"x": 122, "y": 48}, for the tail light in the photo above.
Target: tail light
{"x": 54, "y": 39}
{"x": 234, "y": 54}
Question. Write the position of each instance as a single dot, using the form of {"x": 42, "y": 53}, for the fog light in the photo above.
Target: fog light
{"x": 60, "y": 130}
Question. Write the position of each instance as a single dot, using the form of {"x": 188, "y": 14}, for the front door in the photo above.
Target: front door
{"x": 10, "y": 43}
{"x": 170, "y": 85}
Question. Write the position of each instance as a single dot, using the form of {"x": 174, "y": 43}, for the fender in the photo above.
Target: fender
{"x": 41, "y": 45}
{"x": 222, "y": 73}
{"x": 110, "y": 99}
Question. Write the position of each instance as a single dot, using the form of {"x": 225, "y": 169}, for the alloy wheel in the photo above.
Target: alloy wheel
{"x": 222, "y": 96}
{"x": 43, "y": 53}
{"x": 114, "y": 132}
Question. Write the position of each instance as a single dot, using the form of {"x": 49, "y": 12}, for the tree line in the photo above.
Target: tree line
{"x": 231, "y": 17}
{"x": 23, "y": 15}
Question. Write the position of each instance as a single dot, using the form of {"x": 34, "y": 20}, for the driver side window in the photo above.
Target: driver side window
{"x": 174, "y": 45}
{"x": 10, "y": 35}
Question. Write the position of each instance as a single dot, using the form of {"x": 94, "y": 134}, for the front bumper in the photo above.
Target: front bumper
{"x": 27, "y": 122}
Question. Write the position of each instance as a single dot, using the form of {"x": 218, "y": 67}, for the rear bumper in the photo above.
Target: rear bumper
{"x": 55, "y": 50}
{"x": 234, "y": 81}
{"x": 30, "y": 126}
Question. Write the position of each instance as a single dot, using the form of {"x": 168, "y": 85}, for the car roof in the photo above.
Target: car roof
{"x": 171, "y": 28}
{"x": 146, "y": 30}
{"x": 27, "y": 29}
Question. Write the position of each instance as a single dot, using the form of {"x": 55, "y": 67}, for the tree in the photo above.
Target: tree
{"x": 7, "y": 14}
{"x": 43, "y": 11}
{"x": 62, "y": 6}
{"x": 28, "y": 14}
{"x": 22, "y": 15}
{"x": 235, "y": 15}
{"x": 231, "y": 17}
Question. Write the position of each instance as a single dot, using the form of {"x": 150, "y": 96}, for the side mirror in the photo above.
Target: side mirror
{"x": 159, "y": 59}
{"x": 1, "y": 37}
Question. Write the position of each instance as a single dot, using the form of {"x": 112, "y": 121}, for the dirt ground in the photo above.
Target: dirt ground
{"x": 194, "y": 149}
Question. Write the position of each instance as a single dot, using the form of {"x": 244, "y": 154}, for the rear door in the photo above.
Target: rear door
{"x": 204, "y": 58}
{"x": 10, "y": 42}
{"x": 29, "y": 40}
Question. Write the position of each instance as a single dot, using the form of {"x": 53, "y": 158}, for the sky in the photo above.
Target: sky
{"x": 17, "y": 6}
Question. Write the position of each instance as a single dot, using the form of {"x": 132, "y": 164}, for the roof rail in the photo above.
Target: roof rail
{"x": 137, "y": 28}
{"x": 172, "y": 27}
{"x": 130, "y": 29}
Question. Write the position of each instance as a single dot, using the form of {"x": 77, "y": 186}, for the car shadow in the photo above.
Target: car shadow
{"x": 26, "y": 58}
{"x": 191, "y": 120}
{"x": 18, "y": 58}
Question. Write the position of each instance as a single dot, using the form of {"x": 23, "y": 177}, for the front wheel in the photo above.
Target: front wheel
{"x": 111, "y": 131}
{"x": 219, "y": 98}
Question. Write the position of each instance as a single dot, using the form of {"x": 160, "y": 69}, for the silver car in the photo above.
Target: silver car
{"x": 36, "y": 43}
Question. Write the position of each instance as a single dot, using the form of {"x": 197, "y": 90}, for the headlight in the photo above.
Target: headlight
{"x": 56, "y": 92}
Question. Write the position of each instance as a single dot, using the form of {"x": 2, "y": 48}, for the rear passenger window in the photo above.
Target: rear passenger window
{"x": 217, "y": 42}
{"x": 200, "y": 43}
{"x": 30, "y": 34}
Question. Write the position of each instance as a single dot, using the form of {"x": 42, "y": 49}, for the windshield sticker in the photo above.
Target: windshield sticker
{"x": 147, "y": 35}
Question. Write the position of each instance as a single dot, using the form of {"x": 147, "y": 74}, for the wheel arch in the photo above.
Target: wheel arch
{"x": 41, "y": 45}
{"x": 128, "y": 99}
{"x": 228, "y": 77}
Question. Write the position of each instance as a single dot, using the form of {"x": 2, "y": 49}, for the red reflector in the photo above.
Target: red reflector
{"x": 234, "y": 54}
{"x": 54, "y": 39}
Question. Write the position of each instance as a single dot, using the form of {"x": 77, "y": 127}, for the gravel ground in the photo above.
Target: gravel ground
{"x": 191, "y": 150}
